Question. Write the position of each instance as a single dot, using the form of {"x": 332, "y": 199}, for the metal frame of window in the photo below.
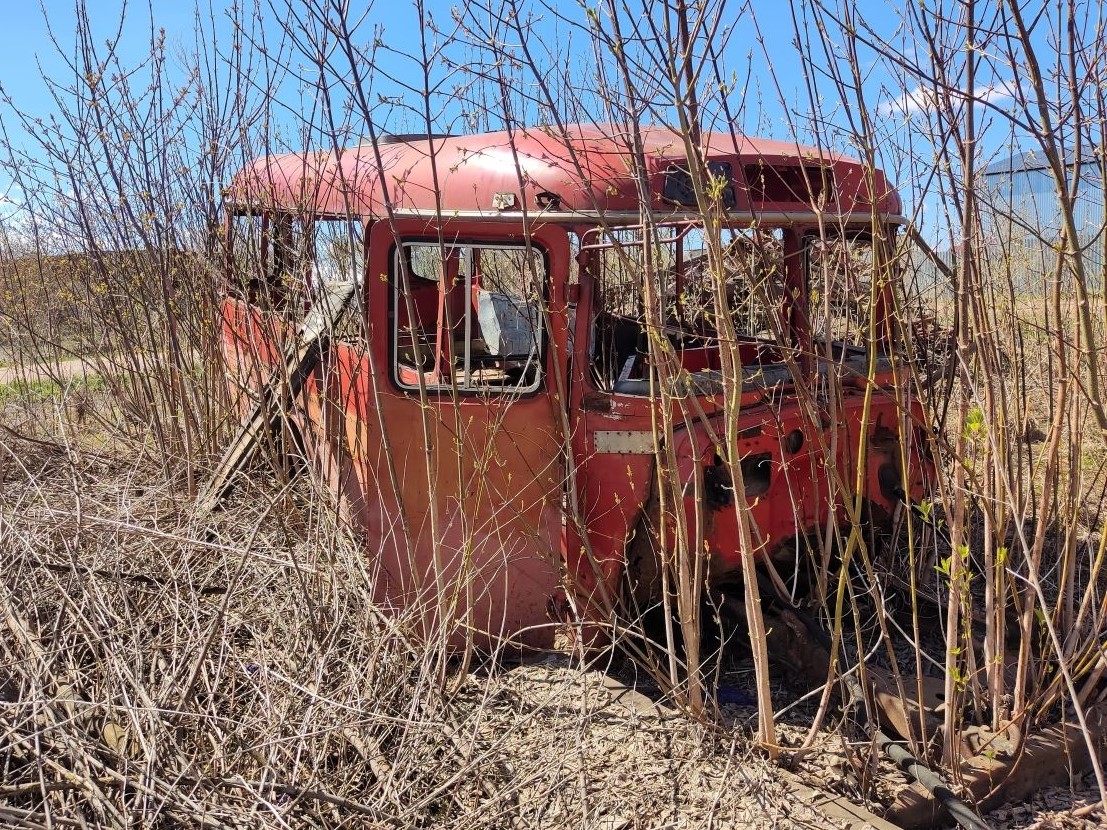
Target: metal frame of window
{"x": 467, "y": 382}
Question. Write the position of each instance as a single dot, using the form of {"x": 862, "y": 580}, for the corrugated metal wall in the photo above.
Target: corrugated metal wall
{"x": 1023, "y": 220}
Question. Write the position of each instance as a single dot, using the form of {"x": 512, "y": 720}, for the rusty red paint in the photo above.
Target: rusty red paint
{"x": 488, "y": 469}
{"x": 585, "y": 168}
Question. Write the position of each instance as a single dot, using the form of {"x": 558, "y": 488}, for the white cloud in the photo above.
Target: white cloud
{"x": 999, "y": 91}
{"x": 922, "y": 99}
{"x": 910, "y": 102}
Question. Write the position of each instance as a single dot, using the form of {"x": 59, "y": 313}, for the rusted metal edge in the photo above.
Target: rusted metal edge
{"x": 284, "y": 384}
{"x": 1049, "y": 757}
{"x": 621, "y": 218}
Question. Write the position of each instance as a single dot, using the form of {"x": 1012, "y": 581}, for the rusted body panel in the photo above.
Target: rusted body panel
{"x": 489, "y": 491}
{"x": 495, "y": 556}
{"x": 788, "y": 487}
{"x": 498, "y": 511}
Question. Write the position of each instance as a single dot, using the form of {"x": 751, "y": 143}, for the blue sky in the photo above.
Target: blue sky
{"x": 763, "y": 58}
{"x": 25, "y": 43}
{"x": 26, "y": 49}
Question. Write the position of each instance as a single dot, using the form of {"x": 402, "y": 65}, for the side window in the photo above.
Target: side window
{"x": 278, "y": 258}
{"x": 271, "y": 256}
{"x": 840, "y": 274}
{"x": 691, "y": 298}
{"x": 289, "y": 255}
{"x": 752, "y": 281}
{"x": 245, "y": 259}
{"x": 468, "y": 316}
{"x": 338, "y": 251}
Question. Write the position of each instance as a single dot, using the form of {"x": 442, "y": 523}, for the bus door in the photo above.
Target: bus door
{"x": 469, "y": 326}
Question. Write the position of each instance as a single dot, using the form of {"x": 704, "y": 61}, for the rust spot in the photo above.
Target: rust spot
{"x": 596, "y": 402}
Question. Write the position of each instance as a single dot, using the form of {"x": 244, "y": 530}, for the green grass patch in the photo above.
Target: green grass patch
{"x": 40, "y": 391}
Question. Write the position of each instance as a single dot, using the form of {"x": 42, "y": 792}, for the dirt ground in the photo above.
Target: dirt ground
{"x": 62, "y": 371}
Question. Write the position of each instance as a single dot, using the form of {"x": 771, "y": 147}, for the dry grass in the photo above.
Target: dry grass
{"x": 155, "y": 670}
{"x": 158, "y": 670}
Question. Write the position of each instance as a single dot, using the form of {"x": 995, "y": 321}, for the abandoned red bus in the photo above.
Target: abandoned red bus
{"x": 508, "y": 318}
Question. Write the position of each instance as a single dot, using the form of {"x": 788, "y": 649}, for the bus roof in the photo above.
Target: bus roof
{"x": 572, "y": 176}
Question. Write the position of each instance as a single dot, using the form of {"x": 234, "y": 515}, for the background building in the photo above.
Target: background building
{"x": 1023, "y": 222}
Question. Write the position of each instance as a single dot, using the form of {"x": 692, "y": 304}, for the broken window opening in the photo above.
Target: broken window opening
{"x": 280, "y": 258}
{"x": 472, "y": 318}
{"x": 675, "y": 271}
{"x": 840, "y": 285}
{"x": 339, "y": 251}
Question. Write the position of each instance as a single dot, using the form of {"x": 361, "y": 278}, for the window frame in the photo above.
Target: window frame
{"x": 356, "y": 229}
{"x": 272, "y": 236}
{"x": 444, "y": 384}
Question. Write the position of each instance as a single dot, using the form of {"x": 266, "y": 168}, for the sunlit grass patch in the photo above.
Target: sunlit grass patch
{"x": 42, "y": 390}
